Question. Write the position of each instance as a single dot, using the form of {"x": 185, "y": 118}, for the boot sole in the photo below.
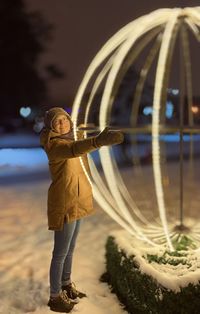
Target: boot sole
{"x": 60, "y": 311}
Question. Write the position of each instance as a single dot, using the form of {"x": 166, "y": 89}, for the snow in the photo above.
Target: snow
{"x": 20, "y": 154}
{"x": 169, "y": 276}
{"x": 26, "y": 244}
{"x": 19, "y": 160}
{"x": 26, "y": 247}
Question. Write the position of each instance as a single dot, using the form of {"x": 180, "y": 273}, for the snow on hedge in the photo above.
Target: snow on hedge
{"x": 169, "y": 276}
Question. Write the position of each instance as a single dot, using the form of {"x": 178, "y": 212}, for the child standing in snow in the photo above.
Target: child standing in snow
{"x": 69, "y": 198}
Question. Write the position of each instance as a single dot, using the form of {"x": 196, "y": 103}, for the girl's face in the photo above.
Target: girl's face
{"x": 61, "y": 124}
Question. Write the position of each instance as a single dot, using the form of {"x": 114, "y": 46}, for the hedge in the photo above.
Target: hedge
{"x": 142, "y": 294}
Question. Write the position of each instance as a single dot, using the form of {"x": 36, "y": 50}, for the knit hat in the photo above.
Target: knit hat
{"x": 51, "y": 115}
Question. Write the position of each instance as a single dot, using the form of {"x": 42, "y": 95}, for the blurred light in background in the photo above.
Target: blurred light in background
{"x": 147, "y": 110}
{"x": 25, "y": 111}
{"x": 173, "y": 91}
{"x": 195, "y": 109}
{"x": 169, "y": 110}
{"x": 39, "y": 124}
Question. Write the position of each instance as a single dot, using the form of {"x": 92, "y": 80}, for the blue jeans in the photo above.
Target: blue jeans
{"x": 61, "y": 263}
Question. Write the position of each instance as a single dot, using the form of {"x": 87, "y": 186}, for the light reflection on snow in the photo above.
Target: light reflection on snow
{"x": 15, "y": 160}
{"x": 175, "y": 138}
{"x": 30, "y": 157}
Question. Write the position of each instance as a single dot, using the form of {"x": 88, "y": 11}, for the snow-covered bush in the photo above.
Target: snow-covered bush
{"x": 152, "y": 280}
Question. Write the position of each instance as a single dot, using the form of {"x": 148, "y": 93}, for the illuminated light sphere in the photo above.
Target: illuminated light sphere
{"x": 25, "y": 111}
{"x": 158, "y": 32}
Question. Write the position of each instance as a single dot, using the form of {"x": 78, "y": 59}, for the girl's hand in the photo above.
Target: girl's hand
{"x": 107, "y": 137}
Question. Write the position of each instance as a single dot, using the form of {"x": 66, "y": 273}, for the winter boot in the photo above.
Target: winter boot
{"x": 61, "y": 303}
{"x": 72, "y": 292}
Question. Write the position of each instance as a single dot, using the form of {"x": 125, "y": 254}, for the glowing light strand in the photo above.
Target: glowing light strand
{"x": 155, "y": 120}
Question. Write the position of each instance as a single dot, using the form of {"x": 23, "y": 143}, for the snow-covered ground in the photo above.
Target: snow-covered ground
{"x": 25, "y": 252}
{"x": 26, "y": 244}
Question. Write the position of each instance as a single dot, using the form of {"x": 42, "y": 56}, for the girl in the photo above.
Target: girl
{"x": 69, "y": 198}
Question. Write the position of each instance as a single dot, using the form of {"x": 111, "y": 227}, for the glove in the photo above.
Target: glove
{"x": 107, "y": 137}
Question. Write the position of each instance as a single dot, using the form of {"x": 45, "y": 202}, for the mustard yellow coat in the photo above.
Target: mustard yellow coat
{"x": 70, "y": 193}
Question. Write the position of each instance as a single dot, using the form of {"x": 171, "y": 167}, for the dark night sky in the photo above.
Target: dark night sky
{"x": 82, "y": 27}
